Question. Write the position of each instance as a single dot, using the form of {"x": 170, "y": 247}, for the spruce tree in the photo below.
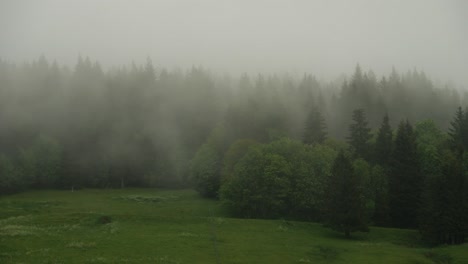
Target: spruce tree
{"x": 458, "y": 132}
{"x": 344, "y": 205}
{"x": 382, "y": 154}
{"x": 384, "y": 143}
{"x": 379, "y": 191}
{"x": 405, "y": 179}
{"x": 315, "y": 128}
{"x": 444, "y": 217}
{"x": 360, "y": 134}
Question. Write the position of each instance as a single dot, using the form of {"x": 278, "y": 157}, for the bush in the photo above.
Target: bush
{"x": 282, "y": 178}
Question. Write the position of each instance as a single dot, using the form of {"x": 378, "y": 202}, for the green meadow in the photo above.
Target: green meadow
{"x": 177, "y": 226}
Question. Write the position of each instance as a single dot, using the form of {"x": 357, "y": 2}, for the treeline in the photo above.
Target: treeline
{"x": 144, "y": 126}
{"x": 410, "y": 177}
{"x": 131, "y": 126}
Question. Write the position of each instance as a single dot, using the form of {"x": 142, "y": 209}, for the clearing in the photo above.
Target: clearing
{"x": 177, "y": 226}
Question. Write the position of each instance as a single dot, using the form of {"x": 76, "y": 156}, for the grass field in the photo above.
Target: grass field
{"x": 159, "y": 226}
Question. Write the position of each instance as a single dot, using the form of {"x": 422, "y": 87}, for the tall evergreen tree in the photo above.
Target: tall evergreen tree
{"x": 458, "y": 132}
{"x": 360, "y": 134}
{"x": 344, "y": 205}
{"x": 382, "y": 153}
{"x": 381, "y": 211}
{"x": 405, "y": 181}
{"x": 384, "y": 143}
{"x": 444, "y": 217}
{"x": 315, "y": 128}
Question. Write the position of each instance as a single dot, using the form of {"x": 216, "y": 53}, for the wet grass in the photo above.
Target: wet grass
{"x": 160, "y": 226}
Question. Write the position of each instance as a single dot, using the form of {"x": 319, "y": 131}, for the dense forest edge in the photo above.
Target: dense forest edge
{"x": 350, "y": 153}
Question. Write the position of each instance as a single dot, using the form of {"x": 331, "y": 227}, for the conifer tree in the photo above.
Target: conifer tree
{"x": 383, "y": 145}
{"x": 458, "y": 132}
{"x": 344, "y": 205}
{"x": 380, "y": 215}
{"x": 315, "y": 128}
{"x": 444, "y": 216}
{"x": 360, "y": 134}
{"x": 405, "y": 179}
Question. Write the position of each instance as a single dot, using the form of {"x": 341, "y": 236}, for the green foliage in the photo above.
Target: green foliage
{"x": 259, "y": 186}
{"x": 310, "y": 188}
{"x": 205, "y": 169}
{"x": 405, "y": 179}
{"x": 359, "y": 134}
{"x": 48, "y": 154}
{"x": 379, "y": 187}
{"x": 297, "y": 173}
{"x": 10, "y": 181}
{"x": 315, "y": 128}
{"x": 27, "y": 165}
{"x": 344, "y": 202}
{"x": 41, "y": 163}
{"x": 139, "y": 126}
{"x": 37, "y": 166}
{"x": 206, "y": 165}
{"x": 429, "y": 140}
{"x": 363, "y": 170}
{"x": 458, "y": 132}
{"x": 444, "y": 215}
{"x": 384, "y": 143}
{"x": 235, "y": 152}
{"x": 444, "y": 205}
{"x": 336, "y": 145}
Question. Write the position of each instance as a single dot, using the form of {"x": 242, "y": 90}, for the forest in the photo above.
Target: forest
{"x": 356, "y": 151}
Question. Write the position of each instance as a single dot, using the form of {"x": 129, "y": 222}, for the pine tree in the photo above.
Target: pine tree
{"x": 344, "y": 206}
{"x": 380, "y": 214}
{"x": 315, "y": 128}
{"x": 458, "y": 132}
{"x": 360, "y": 134}
{"x": 444, "y": 217}
{"x": 405, "y": 181}
{"x": 384, "y": 143}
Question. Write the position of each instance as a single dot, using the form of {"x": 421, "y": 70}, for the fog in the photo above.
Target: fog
{"x": 150, "y": 84}
{"x": 326, "y": 38}
{"x": 352, "y": 113}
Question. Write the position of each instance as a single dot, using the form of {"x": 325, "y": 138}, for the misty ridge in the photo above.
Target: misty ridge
{"x": 141, "y": 126}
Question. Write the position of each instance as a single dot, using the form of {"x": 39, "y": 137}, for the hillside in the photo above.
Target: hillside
{"x": 161, "y": 226}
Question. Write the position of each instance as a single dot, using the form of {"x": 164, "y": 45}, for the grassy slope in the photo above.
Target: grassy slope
{"x": 154, "y": 226}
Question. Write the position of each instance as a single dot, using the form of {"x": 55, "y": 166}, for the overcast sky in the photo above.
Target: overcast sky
{"x": 326, "y": 38}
